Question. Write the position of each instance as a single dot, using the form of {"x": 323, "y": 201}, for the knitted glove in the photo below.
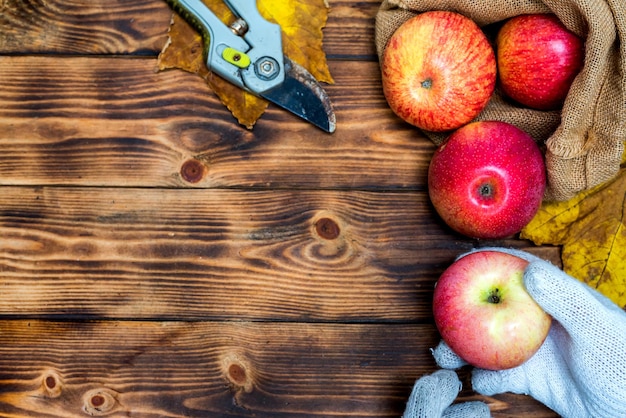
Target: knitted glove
{"x": 433, "y": 395}
{"x": 580, "y": 370}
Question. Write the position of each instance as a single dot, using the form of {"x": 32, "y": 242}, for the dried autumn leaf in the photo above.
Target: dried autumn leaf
{"x": 591, "y": 229}
{"x": 301, "y": 22}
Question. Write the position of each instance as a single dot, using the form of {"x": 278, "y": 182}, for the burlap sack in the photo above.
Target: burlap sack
{"x": 585, "y": 140}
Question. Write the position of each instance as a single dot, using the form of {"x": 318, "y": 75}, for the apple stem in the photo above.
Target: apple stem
{"x": 494, "y": 297}
{"x": 428, "y": 83}
{"x": 485, "y": 190}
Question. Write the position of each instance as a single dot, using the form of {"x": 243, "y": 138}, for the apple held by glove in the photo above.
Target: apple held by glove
{"x": 484, "y": 313}
{"x": 579, "y": 370}
{"x": 438, "y": 71}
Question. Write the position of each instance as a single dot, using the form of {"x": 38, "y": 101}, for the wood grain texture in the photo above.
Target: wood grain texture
{"x": 221, "y": 254}
{"x": 206, "y": 369}
{"x": 117, "y": 27}
{"x": 115, "y": 122}
{"x": 81, "y": 27}
{"x": 158, "y": 260}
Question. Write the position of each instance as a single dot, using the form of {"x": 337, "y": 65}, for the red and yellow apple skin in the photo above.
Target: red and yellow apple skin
{"x": 538, "y": 59}
{"x": 487, "y": 180}
{"x": 484, "y": 313}
{"x": 438, "y": 71}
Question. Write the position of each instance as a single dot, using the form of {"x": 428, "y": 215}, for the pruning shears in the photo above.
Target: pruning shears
{"x": 249, "y": 54}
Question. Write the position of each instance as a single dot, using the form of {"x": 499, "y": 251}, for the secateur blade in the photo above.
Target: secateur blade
{"x": 302, "y": 95}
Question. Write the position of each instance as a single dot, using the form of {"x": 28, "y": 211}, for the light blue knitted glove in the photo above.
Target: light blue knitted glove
{"x": 433, "y": 395}
{"x": 580, "y": 370}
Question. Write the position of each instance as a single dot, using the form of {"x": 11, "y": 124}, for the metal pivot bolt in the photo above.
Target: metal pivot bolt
{"x": 239, "y": 27}
{"x": 267, "y": 68}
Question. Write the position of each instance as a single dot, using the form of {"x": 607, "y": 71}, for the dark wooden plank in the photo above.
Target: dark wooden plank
{"x": 275, "y": 255}
{"x": 283, "y": 272}
{"x": 140, "y": 27}
{"x": 134, "y": 253}
{"x": 115, "y": 122}
{"x": 207, "y": 369}
{"x": 349, "y": 32}
{"x": 93, "y": 27}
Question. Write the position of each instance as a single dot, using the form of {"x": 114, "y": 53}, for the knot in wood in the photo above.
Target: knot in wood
{"x": 51, "y": 385}
{"x": 237, "y": 374}
{"x": 192, "y": 171}
{"x": 99, "y": 402}
{"x": 327, "y": 228}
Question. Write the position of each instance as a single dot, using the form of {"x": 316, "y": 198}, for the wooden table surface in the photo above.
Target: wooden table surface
{"x": 159, "y": 260}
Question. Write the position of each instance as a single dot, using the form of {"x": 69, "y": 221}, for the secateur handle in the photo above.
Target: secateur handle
{"x": 248, "y": 54}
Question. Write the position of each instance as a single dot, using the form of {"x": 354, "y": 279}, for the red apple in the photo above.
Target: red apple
{"x": 487, "y": 179}
{"x": 538, "y": 59}
{"x": 484, "y": 313}
{"x": 438, "y": 71}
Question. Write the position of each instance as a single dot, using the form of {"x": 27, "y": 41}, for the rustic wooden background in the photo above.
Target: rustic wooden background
{"x": 158, "y": 260}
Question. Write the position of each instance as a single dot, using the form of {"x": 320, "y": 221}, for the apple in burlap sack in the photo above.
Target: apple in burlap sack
{"x": 538, "y": 59}
{"x": 487, "y": 180}
{"x": 438, "y": 71}
{"x": 584, "y": 141}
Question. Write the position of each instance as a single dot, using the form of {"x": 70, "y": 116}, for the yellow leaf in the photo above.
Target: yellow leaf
{"x": 591, "y": 229}
{"x": 301, "y": 22}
